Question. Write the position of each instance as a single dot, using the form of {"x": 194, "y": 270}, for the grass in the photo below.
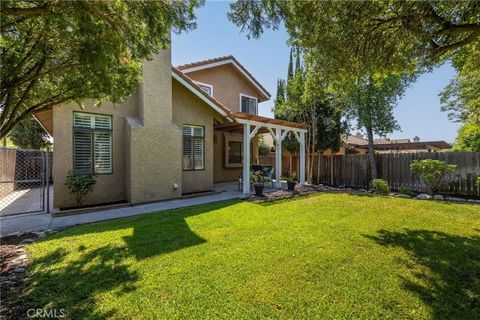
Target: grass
{"x": 326, "y": 256}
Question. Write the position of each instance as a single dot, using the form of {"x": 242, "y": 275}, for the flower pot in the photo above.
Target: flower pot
{"x": 291, "y": 185}
{"x": 258, "y": 189}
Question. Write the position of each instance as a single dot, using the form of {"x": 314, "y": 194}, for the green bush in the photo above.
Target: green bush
{"x": 79, "y": 185}
{"x": 434, "y": 173}
{"x": 405, "y": 190}
{"x": 379, "y": 186}
{"x": 291, "y": 177}
{"x": 478, "y": 183}
{"x": 468, "y": 138}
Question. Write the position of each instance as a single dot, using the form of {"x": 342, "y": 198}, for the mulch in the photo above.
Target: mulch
{"x": 13, "y": 261}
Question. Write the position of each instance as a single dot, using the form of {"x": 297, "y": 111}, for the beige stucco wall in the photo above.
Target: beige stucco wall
{"x": 146, "y": 155}
{"x": 227, "y": 84}
{"x": 222, "y": 173}
{"x": 109, "y": 187}
{"x": 189, "y": 109}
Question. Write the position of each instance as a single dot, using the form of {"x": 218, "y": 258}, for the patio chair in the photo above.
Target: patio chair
{"x": 266, "y": 170}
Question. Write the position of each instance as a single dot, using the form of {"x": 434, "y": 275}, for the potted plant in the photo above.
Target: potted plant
{"x": 291, "y": 180}
{"x": 257, "y": 179}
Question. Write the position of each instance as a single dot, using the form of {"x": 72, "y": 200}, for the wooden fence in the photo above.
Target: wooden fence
{"x": 354, "y": 170}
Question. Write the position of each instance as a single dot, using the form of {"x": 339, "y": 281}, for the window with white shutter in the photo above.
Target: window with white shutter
{"x": 92, "y": 143}
{"x": 193, "y": 147}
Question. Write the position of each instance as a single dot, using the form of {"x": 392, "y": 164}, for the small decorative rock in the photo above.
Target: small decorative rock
{"x": 19, "y": 270}
{"x": 362, "y": 191}
{"x": 438, "y": 197}
{"x": 423, "y": 196}
{"x": 26, "y": 241}
{"x": 402, "y": 195}
{"x": 40, "y": 234}
{"x": 3, "y": 279}
{"x": 473, "y": 201}
{"x": 455, "y": 199}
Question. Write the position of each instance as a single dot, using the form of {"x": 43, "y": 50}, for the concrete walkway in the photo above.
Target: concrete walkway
{"x": 42, "y": 221}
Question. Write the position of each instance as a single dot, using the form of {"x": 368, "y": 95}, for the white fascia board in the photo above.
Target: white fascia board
{"x": 270, "y": 125}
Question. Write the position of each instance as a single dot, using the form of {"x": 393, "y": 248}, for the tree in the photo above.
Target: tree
{"x": 55, "y": 52}
{"x": 28, "y": 134}
{"x": 356, "y": 37}
{"x": 303, "y": 101}
{"x": 468, "y": 138}
{"x": 371, "y": 102}
{"x": 461, "y": 97}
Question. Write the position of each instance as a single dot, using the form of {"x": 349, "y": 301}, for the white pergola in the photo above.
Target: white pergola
{"x": 278, "y": 129}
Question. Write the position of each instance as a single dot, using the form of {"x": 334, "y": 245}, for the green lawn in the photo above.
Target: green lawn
{"x": 325, "y": 256}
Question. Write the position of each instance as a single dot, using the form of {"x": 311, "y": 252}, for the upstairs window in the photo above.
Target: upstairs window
{"x": 92, "y": 143}
{"x": 193, "y": 148}
{"x": 208, "y": 88}
{"x": 248, "y": 104}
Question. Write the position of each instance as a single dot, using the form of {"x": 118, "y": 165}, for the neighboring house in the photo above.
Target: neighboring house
{"x": 357, "y": 144}
{"x": 179, "y": 133}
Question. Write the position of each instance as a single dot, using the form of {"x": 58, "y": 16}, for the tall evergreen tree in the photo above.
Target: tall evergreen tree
{"x": 290, "y": 66}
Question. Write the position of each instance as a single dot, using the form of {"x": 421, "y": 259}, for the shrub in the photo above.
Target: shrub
{"x": 478, "y": 183}
{"x": 434, "y": 173}
{"x": 379, "y": 186}
{"x": 79, "y": 185}
{"x": 291, "y": 177}
{"x": 405, "y": 190}
{"x": 256, "y": 177}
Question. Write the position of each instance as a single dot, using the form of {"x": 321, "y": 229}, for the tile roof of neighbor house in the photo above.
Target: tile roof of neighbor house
{"x": 210, "y": 63}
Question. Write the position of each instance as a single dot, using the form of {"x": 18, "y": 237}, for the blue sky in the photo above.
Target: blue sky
{"x": 418, "y": 112}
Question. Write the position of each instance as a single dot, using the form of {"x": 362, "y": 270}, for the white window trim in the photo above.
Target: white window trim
{"x": 205, "y": 85}
{"x": 250, "y": 97}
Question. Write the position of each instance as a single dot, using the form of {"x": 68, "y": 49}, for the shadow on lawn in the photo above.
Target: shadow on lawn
{"x": 60, "y": 281}
{"x": 448, "y": 279}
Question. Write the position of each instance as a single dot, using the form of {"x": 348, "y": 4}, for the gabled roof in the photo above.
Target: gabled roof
{"x": 215, "y": 62}
{"x": 195, "y": 89}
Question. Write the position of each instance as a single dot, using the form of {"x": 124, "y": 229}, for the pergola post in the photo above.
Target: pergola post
{"x": 278, "y": 157}
{"x": 246, "y": 158}
{"x": 302, "y": 158}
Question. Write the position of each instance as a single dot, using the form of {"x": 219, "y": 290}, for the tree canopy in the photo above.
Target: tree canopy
{"x": 355, "y": 37}
{"x": 54, "y": 52}
{"x": 28, "y": 134}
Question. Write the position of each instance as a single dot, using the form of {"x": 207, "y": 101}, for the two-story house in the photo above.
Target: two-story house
{"x": 182, "y": 130}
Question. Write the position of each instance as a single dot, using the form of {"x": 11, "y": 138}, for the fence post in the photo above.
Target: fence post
{"x": 47, "y": 178}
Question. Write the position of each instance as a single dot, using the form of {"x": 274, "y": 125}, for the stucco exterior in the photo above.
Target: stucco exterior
{"x": 109, "y": 187}
{"x": 147, "y": 137}
{"x": 190, "y": 110}
{"x": 146, "y": 144}
{"x": 227, "y": 84}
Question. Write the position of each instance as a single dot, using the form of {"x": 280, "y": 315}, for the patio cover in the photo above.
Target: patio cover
{"x": 279, "y": 129}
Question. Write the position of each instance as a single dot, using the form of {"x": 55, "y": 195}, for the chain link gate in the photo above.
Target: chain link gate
{"x": 24, "y": 181}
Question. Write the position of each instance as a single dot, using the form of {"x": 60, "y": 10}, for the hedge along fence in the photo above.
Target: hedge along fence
{"x": 354, "y": 170}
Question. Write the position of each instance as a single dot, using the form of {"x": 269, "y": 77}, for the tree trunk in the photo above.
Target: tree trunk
{"x": 371, "y": 153}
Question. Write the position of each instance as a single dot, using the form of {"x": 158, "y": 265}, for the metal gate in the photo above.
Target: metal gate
{"x": 24, "y": 181}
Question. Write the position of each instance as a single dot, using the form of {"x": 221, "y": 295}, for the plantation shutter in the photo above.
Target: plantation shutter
{"x": 92, "y": 143}
{"x": 103, "y": 144}
{"x": 187, "y": 148}
{"x": 198, "y": 148}
{"x": 193, "y": 148}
